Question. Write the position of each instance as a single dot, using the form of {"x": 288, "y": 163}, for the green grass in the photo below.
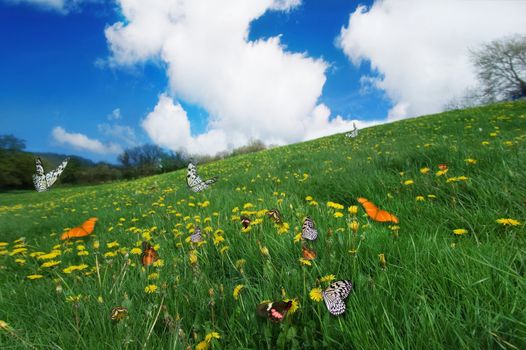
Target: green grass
{"x": 438, "y": 290}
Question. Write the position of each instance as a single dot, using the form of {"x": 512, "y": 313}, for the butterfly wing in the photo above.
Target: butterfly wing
{"x": 89, "y": 225}
{"x": 275, "y": 215}
{"x": 80, "y": 231}
{"x": 308, "y": 231}
{"x": 118, "y": 313}
{"x": 40, "y": 168}
{"x": 375, "y": 213}
{"x": 334, "y": 296}
{"x": 149, "y": 255}
{"x": 53, "y": 175}
{"x": 384, "y": 216}
{"x": 307, "y": 253}
{"x": 196, "y": 236}
{"x": 278, "y": 310}
{"x": 195, "y": 182}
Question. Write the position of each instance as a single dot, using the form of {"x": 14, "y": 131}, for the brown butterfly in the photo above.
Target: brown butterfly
{"x": 275, "y": 215}
{"x": 118, "y": 313}
{"x": 308, "y": 254}
{"x": 274, "y": 311}
{"x": 149, "y": 255}
{"x": 245, "y": 221}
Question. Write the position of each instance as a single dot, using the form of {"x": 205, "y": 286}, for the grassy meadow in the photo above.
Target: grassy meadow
{"x": 451, "y": 274}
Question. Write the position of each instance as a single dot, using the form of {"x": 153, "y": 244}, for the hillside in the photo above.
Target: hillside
{"x": 450, "y": 275}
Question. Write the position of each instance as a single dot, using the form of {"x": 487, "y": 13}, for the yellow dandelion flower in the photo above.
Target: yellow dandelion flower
{"x": 508, "y": 222}
{"x": 50, "y": 263}
{"x": 470, "y": 161}
{"x": 112, "y": 244}
{"x": 18, "y": 251}
{"x": 136, "y": 251}
{"x": 353, "y": 209}
{"x": 354, "y": 226}
{"x": 297, "y": 237}
{"x": 314, "y": 203}
{"x": 408, "y": 182}
{"x": 158, "y": 263}
{"x": 192, "y": 257}
{"x": 316, "y": 295}
{"x": 237, "y": 290}
{"x": 3, "y": 244}
{"x": 212, "y": 335}
{"x": 420, "y": 198}
{"x": 240, "y": 263}
{"x": 96, "y": 245}
{"x": 424, "y": 170}
{"x": 381, "y": 259}
{"x": 83, "y": 253}
{"x": 305, "y": 262}
{"x": 264, "y": 251}
{"x": 338, "y": 214}
{"x": 431, "y": 196}
{"x": 248, "y": 205}
{"x": 153, "y": 276}
{"x": 20, "y": 261}
{"x": 34, "y": 277}
{"x": 328, "y": 278}
{"x": 151, "y": 288}
{"x": 309, "y": 198}
{"x": 73, "y": 298}
{"x": 224, "y": 249}
{"x": 110, "y": 254}
{"x": 460, "y": 231}
{"x": 81, "y": 247}
{"x": 202, "y": 345}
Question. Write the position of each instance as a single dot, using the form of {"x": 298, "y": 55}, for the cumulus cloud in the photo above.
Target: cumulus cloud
{"x": 115, "y": 115}
{"x": 251, "y": 89}
{"x": 82, "y": 142}
{"x": 420, "y": 49}
{"x": 123, "y": 133}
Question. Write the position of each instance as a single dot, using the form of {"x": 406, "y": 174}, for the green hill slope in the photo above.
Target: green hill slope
{"x": 451, "y": 274}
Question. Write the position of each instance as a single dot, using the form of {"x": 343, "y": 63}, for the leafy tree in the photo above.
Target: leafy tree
{"x": 501, "y": 69}
{"x": 12, "y": 143}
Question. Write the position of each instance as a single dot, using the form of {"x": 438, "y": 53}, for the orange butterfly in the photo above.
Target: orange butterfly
{"x": 307, "y": 253}
{"x": 149, "y": 255}
{"x": 80, "y": 231}
{"x": 375, "y": 213}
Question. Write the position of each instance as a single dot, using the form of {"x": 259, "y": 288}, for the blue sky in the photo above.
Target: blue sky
{"x": 74, "y": 80}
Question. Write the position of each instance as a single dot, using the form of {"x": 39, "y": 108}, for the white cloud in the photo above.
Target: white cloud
{"x": 251, "y": 89}
{"x": 115, "y": 114}
{"x": 62, "y": 6}
{"x": 123, "y": 133}
{"x": 82, "y": 142}
{"x": 420, "y": 49}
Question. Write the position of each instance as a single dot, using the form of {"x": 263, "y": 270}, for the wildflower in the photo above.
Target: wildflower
{"x": 309, "y": 198}
{"x": 81, "y": 247}
{"x": 99, "y": 299}
{"x": 112, "y": 244}
{"x": 237, "y": 290}
{"x": 192, "y": 257}
{"x": 4, "y": 244}
{"x": 110, "y": 254}
{"x": 218, "y": 239}
{"x": 470, "y": 161}
{"x": 153, "y": 276}
{"x": 336, "y": 206}
{"x": 441, "y": 172}
{"x": 408, "y": 182}
{"x": 460, "y": 231}
{"x": 136, "y": 251}
{"x": 248, "y": 205}
{"x": 485, "y": 143}
{"x": 381, "y": 258}
{"x": 213, "y": 335}
{"x": 202, "y": 345}
{"x": 18, "y": 251}
{"x": 314, "y": 203}
{"x": 431, "y": 196}
{"x": 316, "y": 295}
{"x": 327, "y": 278}
{"x": 508, "y": 222}
{"x": 96, "y": 245}
{"x": 50, "y": 263}
{"x": 420, "y": 198}
{"x": 240, "y": 263}
{"x": 354, "y": 226}
{"x": 73, "y": 298}
{"x": 353, "y": 209}
{"x": 20, "y": 261}
{"x": 34, "y": 277}
{"x": 424, "y": 170}
{"x": 224, "y": 249}
{"x": 151, "y": 288}
{"x": 264, "y": 251}
{"x": 338, "y": 214}
{"x": 83, "y": 253}
{"x": 283, "y": 228}
{"x": 305, "y": 262}
{"x": 158, "y": 263}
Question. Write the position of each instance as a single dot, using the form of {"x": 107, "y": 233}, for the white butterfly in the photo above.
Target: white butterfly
{"x": 353, "y": 133}
{"x": 308, "y": 231}
{"x": 334, "y": 296}
{"x": 43, "y": 181}
{"x": 195, "y": 182}
{"x": 196, "y": 236}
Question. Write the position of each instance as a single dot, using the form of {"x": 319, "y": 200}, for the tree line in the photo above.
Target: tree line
{"x": 17, "y": 165}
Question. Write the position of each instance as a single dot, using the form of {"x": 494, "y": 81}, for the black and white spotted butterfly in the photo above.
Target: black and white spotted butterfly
{"x": 196, "y": 236}
{"x": 195, "y": 182}
{"x": 308, "y": 231}
{"x": 334, "y": 296}
{"x": 353, "y": 133}
{"x": 44, "y": 181}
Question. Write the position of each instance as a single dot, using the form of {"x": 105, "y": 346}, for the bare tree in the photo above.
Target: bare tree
{"x": 501, "y": 68}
